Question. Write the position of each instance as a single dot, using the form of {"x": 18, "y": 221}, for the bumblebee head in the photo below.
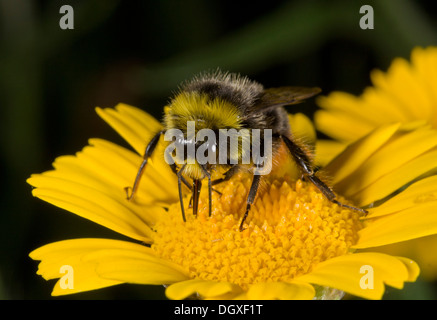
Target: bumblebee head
{"x": 197, "y": 126}
{"x": 193, "y": 122}
{"x": 200, "y": 111}
{"x": 213, "y": 100}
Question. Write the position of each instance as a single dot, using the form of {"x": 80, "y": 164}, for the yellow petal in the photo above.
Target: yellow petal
{"x": 355, "y": 273}
{"x": 327, "y": 150}
{"x": 392, "y": 181}
{"x": 70, "y": 253}
{"x": 419, "y": 192}
{"x": 138, "y": 128}
{"x": 411, "y": 223}
{"x": 92, "y": 185}
{"x": 342, "y": 102}
{"x": 353, "y": 157}
{"x": 405, "y": 93}
{"x": 403, "y": 86}
{"x": 424, "y": 61}
{"x": 412, "y": 268}
{"x": 376, "y": 101}
{"x": 302, "y": 128}
{"x": 421, "y": 250}
{"x": 87, "y": 257}
{"x": 154, "y": 184}
{"x": 340, "y": 125}
{"x": 134, "y": 125}
{"x": 92, "y": 204}
{"x": 405, "y": 157}
{"x": 99, "y": 164}
{"x": 137, "y": 265}
{"x": 206, "y": 289}
{"x": 280, "y": 290}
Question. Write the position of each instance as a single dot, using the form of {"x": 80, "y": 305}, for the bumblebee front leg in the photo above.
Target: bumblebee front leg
{"x": 175, "y": 171}
{"x": 195, "y": 195}
{"x": 228, "y": 175}
{"x": 258, "y": 164}
{"x": 208, "y": 176}
{"x": 197, "y": 186}
{"x": 303, "y": 161}
{"x": 147, "y": 154}
{"x": 250, "y": 198}
{"x": 181, "y": 199}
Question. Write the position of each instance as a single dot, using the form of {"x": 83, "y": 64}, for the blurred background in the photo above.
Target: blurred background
{"x": 137, "y": 52}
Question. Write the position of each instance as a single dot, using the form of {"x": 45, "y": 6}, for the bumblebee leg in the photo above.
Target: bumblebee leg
{"x": 181, "y": 200}
{"x": 190, "y": 204}
{"x": 175, "y": 170}
{"x": 208, "y": 175}
{"x": 228, "y": 175}
{"x": 251, "y": 198}
{"x": 329, "y": 194}
{"x": 216, "y": 191}
{"x": 147, "y": 154}
{"x": 209, "y": 193}
{"x": 197, "y": 185}
{"x": 253, "y": 187}
{"x": 299, "y": 156}
{"x": 303, "y": 161}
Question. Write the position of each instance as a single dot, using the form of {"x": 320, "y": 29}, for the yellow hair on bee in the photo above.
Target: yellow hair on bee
{"x": 206, "y": 113}
{"x": 193, "y": 171}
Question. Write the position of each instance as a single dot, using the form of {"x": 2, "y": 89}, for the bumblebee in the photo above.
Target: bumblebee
{"x": 218, "y": 101}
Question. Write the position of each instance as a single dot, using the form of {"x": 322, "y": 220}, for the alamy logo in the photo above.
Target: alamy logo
{"x": 366, "y": 21}
{"x": 223, "y": 146}
{"x": 67, "y": 20}
{"x": 67, "y": 280}
{"x": 366, "y": 281}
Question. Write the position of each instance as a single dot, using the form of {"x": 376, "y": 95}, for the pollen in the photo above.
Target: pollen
{"x": 290, "y": 229}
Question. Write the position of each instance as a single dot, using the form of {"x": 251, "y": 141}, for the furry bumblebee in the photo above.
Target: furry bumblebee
{"x": 219, "y": 101}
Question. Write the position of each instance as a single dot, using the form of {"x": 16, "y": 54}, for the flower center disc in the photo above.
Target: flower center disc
{"x": 290, "y": 228}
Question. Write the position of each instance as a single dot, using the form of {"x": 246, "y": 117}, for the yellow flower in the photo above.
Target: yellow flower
{"x": 296, "y": 245}
{"x": 406, "y": 93}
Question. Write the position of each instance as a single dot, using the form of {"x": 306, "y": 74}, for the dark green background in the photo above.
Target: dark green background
{"x": 137, "y": 52}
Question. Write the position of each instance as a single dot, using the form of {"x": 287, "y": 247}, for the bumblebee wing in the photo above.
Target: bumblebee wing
{"x": 282, "y": 96}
